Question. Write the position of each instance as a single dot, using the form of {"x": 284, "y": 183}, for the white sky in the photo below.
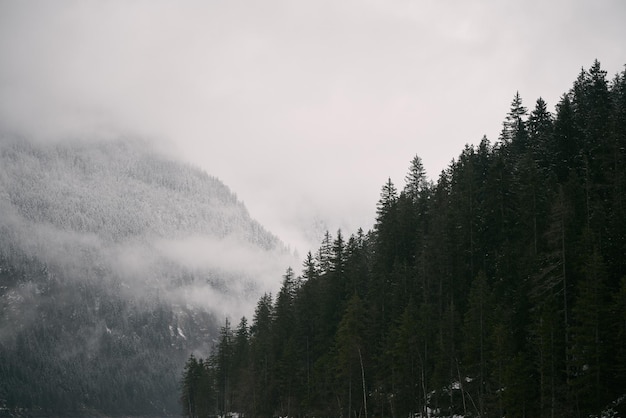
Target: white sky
{"x": 303, "y": 108}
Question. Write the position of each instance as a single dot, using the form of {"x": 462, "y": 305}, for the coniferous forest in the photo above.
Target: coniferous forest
{"x": 497, "y": 290}
{"x": 97, "y": 312}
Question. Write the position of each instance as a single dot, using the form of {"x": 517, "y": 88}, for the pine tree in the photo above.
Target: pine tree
{"x": 283, "y": 342}
{"x": 592, "y": 113}
{"x": 261, "y": 356}
{"x": 540, "y": 129}
{"x": 241, "y": 373}
{"x": 548, "y": 345}
{"x": 618, "y": 330}
{"x": 196, "y": 388}
{"x": 310, "y": 271}
{"x": 351, "y": 351}
{"x": 223, "y": 366}
{"x": 415, "y": 179}
{"x": 189, "y": 384}
{"x": 477, "y": 323}
{"x": 386, "y": 226}
{"x": 324, "y": 254}
{"x": 388, "y": 197}
{"x": 592, "y": 105}
{"x": 409, "y": 367}
{"x": 514, "y": 127}
{"x": 338, "y": 256}
{"x": 566, "y": 147}
{"x": 616, "y": 222}
{"x": 358, "y": 264}
{"x": 450, "y": 393}
{"x": 590, "y": 336}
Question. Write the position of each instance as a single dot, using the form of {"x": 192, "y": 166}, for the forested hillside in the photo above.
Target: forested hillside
{"x": 497, "y": 290}
{"x": 111, "y": 271}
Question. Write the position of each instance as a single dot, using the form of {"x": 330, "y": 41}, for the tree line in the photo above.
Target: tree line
{"x": 498, "y": 289}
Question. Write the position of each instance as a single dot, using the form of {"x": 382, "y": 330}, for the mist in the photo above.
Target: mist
{"x": 161, "y": 162}
{"x": 304, "y": 109}
{"x": 121, "y": 212}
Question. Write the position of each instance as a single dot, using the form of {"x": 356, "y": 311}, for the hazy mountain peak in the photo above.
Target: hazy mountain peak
{"x": 120, "y": 189}
{"x": 109, "y": 251}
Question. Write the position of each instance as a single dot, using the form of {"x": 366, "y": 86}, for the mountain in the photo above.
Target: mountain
{"x": 116, "y": 263}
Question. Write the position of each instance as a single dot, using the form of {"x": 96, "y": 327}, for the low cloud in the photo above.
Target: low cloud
{"x": 229, "y": 254}
{"x": 217, "y": 270}
{"x": 306, "y": 108}
{"x": 223, "y": 276}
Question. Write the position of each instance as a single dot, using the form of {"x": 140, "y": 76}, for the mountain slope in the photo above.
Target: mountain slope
{"x": 115, "y": 263}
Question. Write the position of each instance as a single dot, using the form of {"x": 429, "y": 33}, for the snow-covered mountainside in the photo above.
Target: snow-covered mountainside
{"x": 115, "y": 264}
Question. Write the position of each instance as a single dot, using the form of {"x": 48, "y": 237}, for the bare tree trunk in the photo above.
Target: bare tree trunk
{"x": 363, "y": 381}
{"x": 458, "y": 371}
{"x": 350, "y": 396}
{"x": 565, "y": 308}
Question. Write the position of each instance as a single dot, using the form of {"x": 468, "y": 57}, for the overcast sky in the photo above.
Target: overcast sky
{"x": 303, "y": 108}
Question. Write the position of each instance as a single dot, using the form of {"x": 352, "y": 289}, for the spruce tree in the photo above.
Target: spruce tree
{"x": 415, "y": 179}
{"x": 478, "y": 321}
{"x": 540, "y": 129}
{"x": 590, "y": 335}
{"x": 566, "y": 147}
{"x": 351, "y": 352}
{"x": 514, "y": 127}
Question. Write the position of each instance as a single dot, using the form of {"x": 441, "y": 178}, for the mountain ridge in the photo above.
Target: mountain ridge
{"x": 116, "y": 262}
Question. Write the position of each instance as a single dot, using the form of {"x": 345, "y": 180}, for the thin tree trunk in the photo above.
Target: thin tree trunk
{"x": 425, "y": 406}
{"x": 458, "y": 371}
{"x": 363, "y": 381}
{"x": 350, "y": 396}
{"x": 552, "y": 382}
{"x": 535, "y": 221}
{"x": 565, "y": 316}
{"x": 481, "y": 384}
{"x": 542, "y": 383}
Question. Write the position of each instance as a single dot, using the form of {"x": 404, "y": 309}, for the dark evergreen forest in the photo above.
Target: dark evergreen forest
{"x": 497, "y": 290}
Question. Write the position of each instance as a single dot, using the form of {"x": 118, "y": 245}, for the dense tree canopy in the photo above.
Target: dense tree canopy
{"x": 92, "y": 318}
{"x": 499, "y": 290}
